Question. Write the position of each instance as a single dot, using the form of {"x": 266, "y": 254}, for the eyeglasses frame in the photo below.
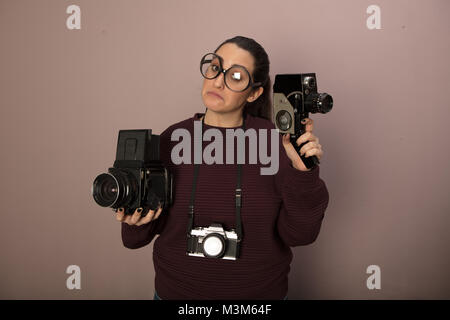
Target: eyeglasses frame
{"x": 222, "y": 70}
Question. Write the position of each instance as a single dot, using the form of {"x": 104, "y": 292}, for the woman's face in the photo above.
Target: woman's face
{"x": 216, "y": 95}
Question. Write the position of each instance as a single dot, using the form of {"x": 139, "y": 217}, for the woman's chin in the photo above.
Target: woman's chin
{"x": 213, "y": 105}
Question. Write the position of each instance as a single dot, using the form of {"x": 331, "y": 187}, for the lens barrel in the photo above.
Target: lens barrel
{"x": 114, "y": 189}
{"x": 319, "y": 103}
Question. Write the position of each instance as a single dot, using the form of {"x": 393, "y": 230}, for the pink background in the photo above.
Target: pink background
{"x": 134, "y": 64}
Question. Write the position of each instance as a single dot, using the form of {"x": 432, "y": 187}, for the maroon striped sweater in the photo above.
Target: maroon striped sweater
{"x": 278, "y": 212}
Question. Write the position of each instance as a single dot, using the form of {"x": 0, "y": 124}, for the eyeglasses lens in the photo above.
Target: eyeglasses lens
{"x": 236, "y": 78}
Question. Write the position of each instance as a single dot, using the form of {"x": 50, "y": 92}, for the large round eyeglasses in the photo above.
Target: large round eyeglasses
{"x": 236, "y": 78}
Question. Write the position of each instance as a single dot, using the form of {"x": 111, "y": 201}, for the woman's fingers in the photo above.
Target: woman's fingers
{"x": 135, "y": 218}
{"x": 136, "y": 215}
{"x": 147, "y": 218}
{"x": 309, "y": 124}
{"x": 151, "y": 215}
{"x": 127, "y": 219}
{"x": 314, "y": 152}
{"x": 120, "y": 215}
{"x": 158, "y": 212}
{"x": 307, "y": 136}
{"x": 310, "y": 146}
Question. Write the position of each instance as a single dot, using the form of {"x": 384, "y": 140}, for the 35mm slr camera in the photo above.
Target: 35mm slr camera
{"x": 138, "y": 179}
{"x": 213, "y": 242}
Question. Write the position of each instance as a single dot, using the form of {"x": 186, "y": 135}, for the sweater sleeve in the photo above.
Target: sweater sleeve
{"x": 304, "y": 200}
{"x": 134, "y": 237}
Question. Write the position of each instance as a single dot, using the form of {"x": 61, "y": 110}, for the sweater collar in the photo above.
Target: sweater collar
{"x": 198, "y": 115}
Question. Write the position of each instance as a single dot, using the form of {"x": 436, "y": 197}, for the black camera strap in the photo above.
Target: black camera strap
{"x": 238, "y": 195}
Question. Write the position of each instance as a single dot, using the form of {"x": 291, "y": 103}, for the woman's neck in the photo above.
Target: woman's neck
{"x": 225, "y": 120}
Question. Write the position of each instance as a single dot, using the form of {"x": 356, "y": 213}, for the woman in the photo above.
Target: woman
{"x": 276, "y": 212}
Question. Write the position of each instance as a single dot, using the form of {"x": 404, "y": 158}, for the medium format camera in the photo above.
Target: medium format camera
{"x": 138, "y": 178}
{"x": 294, "y": 97}
{"x": 213, "y": 242}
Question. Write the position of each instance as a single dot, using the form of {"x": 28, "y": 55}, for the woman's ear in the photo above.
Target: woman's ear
{"x": 255, "y": 94}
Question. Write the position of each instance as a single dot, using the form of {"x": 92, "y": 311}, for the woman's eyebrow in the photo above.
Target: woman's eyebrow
{"x": 220, "y": 58}
{"x": 233, "y": 65}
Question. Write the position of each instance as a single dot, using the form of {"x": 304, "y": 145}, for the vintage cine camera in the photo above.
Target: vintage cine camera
{"x": 213, "y": 242}
{"x": 137, "y": 178}
{"x": 294, "y": 97}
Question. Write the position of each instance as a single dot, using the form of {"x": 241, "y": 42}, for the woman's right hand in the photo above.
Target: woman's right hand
{"x": 135, "y": 219}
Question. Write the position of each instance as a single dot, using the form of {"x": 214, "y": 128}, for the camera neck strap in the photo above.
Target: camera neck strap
{"x": 238, "y": 194}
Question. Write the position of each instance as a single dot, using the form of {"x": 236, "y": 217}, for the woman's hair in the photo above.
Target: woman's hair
{"x": 261, "y": 107}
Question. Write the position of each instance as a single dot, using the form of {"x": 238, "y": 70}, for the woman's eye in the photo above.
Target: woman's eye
{"x": 214, "y": 67}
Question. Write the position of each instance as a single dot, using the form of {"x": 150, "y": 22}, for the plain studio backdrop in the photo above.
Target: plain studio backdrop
{"x": 65, "y": 94}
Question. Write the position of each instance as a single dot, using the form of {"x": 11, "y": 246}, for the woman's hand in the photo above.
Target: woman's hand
{"x": 312, "y": 148}
{"x": 135, "y": 219}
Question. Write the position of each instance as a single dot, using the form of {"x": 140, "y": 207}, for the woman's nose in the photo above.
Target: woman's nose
{"x": 219, "y": 81}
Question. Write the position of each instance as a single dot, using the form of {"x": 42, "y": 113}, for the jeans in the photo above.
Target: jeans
{"x": 156, "y": 297}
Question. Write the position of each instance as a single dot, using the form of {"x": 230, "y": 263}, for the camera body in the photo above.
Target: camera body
{"x": 213, "y": 242}
{"x": 138, "y": 179}
{"x": 294, "y": 97}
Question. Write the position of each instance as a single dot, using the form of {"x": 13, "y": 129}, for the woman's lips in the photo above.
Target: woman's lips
{"x": 214, "y": 94}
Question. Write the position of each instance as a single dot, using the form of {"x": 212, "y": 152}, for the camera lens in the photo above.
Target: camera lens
{"x": 319, "y": 103}
{"x": 114, "y": 189}
{"x": 324, "y": 102}
{"x": 213, "y": 245}
{"x": 284, "y": 120}
{"x": 105, "y": 190}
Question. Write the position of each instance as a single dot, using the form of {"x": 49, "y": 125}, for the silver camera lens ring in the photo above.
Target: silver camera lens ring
{"x": 214, "y": 245}
{"x": 284, "y": 120}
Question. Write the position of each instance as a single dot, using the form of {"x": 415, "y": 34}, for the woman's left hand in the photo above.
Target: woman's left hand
{"x": 312, "y": 148}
